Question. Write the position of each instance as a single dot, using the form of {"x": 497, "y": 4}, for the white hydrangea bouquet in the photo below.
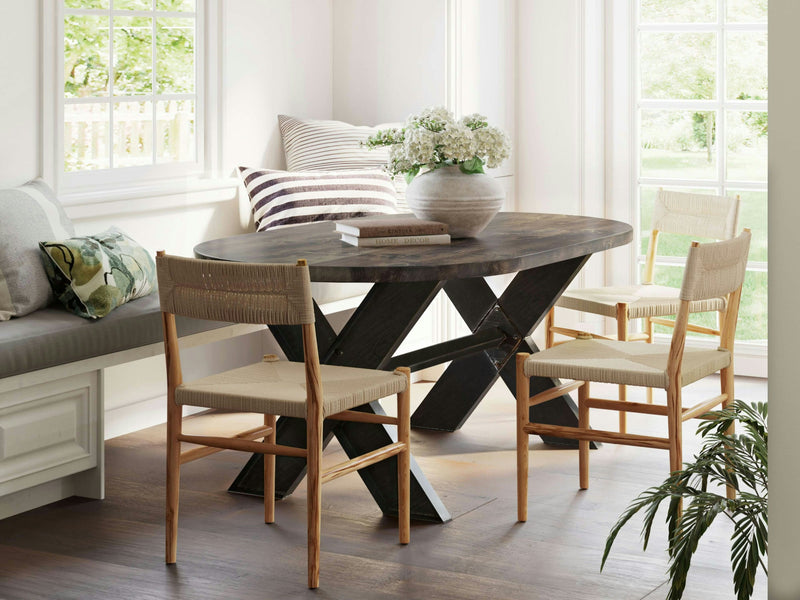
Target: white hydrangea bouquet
{"x": 434, "y": 138}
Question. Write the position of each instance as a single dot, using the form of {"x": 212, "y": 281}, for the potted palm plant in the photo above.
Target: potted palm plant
{"x": 739, "y": 461}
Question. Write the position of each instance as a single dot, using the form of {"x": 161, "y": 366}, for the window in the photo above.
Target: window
{"x": 129, "y": 105}
{"x": 701, "y": 121}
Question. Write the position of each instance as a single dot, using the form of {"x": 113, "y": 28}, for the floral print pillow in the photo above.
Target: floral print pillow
{"x": 94, "y": 274}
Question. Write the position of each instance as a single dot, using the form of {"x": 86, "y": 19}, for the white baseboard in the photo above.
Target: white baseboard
{"x": 139, "y": 415}
{"x": 84, "y": 484}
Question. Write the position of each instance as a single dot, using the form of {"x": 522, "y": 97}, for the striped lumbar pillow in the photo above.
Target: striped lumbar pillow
{"x": 313, "y": 145}
{"x": 280, "y": 198}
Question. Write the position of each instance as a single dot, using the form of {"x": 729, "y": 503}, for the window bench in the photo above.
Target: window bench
{"x": 51, "y": 394}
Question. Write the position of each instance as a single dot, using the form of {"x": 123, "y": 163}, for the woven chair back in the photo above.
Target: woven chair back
{"x": 715, "y": 269}
{"x": 696, "y": 215}
{"x": 275, "y": 294}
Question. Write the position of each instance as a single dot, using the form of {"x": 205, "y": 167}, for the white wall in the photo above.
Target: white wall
{"x": 560, "y": 160}
{"x": 483, "y": 73}
{"x": 19, "y": 99}
{"x": 388, "y": 58}
{"x": 277, "y": 60}
{"x": 548, "y": 106}
{"x": 784, "y": 287}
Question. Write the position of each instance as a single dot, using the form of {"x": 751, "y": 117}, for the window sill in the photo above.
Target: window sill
{"x": 157, "y": 196}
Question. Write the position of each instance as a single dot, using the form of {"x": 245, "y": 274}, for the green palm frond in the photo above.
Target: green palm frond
{"x": 739, "y": 461}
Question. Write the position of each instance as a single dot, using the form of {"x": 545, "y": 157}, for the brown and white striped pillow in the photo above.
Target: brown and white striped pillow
{"x": 316, "y": 145}
{"x": 281, "y": 198}
{"x": 312, "y": 145}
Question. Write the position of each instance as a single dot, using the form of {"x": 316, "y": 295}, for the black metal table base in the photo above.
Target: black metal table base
{"x": 500, "y": 328}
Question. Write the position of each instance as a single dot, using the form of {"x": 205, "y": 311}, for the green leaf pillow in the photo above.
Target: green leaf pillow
{"x": 94, "y": 274}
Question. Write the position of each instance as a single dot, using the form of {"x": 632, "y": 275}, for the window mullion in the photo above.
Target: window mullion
{"x": 111, "y": 71}
{"x": 128, "y": 13}
{"x": 153, "y": 84}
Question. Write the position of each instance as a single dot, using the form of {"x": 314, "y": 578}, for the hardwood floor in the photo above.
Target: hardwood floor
{"x": 81, "y": 549}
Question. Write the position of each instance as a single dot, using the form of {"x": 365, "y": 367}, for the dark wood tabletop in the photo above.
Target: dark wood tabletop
{"x": 512, "y": 242}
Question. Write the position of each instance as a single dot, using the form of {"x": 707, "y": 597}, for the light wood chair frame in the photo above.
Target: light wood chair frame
{"x": 246, "y": 441}
{"x": 623, "y": 321}
{"x": 674, "y": 411}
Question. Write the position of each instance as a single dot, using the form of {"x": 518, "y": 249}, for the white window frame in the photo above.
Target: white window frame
{"x": 622, "y": 104}
{"x": 131, "y": 184}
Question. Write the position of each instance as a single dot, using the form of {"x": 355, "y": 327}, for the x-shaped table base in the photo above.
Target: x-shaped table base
{"x": 500, "y": 328}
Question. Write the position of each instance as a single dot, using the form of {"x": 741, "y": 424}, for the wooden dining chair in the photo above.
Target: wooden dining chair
{"x": 696, "y": 215}
{"x": 713, "y": 270}
{"x": 276, "y": 294}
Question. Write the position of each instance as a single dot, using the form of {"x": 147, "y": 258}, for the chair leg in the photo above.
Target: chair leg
{"x": 404, "y": 459}
{"x": 174, "y": 415}
{"x": 522, "y": 394}
{"x": 583, "y": 445}
{"x": 622, "y": 335}
{"x": 269, "y": 472}
{"x": 726, "y": 387}
{"x": 548, "y": 327}
{"x": 648, "y": 329}
{"x": 674, "y": 427}
{"x": 314, "y": 508}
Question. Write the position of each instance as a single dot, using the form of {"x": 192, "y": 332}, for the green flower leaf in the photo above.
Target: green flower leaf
{"x": 473, "y": 165}
{"x": 411, "y": 173}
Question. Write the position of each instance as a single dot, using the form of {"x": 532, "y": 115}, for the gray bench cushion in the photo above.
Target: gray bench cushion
{"x": 53, "y": 336}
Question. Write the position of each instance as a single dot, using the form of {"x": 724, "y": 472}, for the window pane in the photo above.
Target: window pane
{"x": 746, "y": 65}
{"x": 678, "y": 65}
{"x": 176, "y": 5}
{"x": 753, "y": 215}
{"x": 753, "y": 310}
{"x": 752, "y": 324}
{"x": 85, "y": 56}
{"x": 752, "y": 11}
{"x": 175, "y": 130}
{"x": 678, "y": 11}
{"x": 175, "y": 55}
{"x": 673, "y": 277}
{"x": 678, "y": 144}
{"x": 86, "y": 4}
{"x": 133, "y": 134}
{"x": 85, "y": 137}
{"x": 669, "y": 244}
{"x": 133, "y": 5}
{"x": 746, "y": 141}
{"x": 133, "y": 56}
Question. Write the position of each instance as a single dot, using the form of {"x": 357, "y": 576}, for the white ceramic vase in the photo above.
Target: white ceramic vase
{"x": 467, "y": 202}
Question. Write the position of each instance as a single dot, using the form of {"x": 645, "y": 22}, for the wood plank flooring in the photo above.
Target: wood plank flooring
{"x": 86, "y": 550}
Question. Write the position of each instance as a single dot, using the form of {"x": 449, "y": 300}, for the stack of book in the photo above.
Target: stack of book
{"x": 392, "y": 231}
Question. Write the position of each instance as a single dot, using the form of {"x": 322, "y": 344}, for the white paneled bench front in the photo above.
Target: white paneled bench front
{"x": 52, "y": 388}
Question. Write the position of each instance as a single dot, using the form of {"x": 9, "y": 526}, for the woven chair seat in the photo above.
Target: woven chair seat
{"x": 624, "y": 363}
{"x": 279, "y": 388}
{"x": 643, "y": 301}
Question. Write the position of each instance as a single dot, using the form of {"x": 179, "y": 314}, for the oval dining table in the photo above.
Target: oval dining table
{"x": 544, "y": 251}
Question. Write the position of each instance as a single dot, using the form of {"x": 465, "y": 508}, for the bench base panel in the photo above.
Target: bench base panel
{"x": 51, "y": 442}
